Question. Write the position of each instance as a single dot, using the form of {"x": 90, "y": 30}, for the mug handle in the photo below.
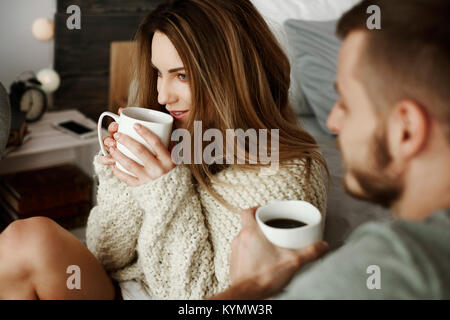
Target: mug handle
{"x": 99, "y": 129}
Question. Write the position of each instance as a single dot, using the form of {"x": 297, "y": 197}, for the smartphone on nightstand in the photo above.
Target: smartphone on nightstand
{"x": 75, "y": 129}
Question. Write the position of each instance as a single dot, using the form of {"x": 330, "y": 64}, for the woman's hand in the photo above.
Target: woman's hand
{"x": 109, "y": 142}
{"x": 155, "y": 165}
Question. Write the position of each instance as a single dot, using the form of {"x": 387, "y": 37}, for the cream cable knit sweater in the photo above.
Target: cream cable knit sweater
{"x": 174, "y": 236}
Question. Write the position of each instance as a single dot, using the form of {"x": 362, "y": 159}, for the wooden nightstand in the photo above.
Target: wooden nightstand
{"x": 48, "y": 147}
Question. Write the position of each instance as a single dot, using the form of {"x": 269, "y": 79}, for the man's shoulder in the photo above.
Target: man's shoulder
{"x": 383, "y": 260}
{"x": 431, "y": 231}
{"x": 412, "y": 256}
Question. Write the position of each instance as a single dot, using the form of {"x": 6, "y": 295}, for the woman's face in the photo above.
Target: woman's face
{"x": 173, "y": 84}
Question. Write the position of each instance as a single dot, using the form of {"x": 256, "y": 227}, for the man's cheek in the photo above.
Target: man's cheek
{"x": 345, "y": 147}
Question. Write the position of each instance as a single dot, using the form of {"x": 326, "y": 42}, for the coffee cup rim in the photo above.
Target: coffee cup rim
{"x": 166, "y": 118}
{"x": 307, "y": 226}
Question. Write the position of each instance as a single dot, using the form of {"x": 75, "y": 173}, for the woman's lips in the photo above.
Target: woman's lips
{"x": 178, "y": 114}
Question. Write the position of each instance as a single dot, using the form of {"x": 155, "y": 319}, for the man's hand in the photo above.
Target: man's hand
{"x": 259, "y": 269}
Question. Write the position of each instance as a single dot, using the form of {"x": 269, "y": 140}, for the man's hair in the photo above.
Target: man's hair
{"x": 409, "y": 57}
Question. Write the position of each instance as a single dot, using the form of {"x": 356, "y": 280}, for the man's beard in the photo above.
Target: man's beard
{"x": 377, "y": 185}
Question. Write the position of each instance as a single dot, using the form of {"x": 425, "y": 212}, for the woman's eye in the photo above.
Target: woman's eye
{"x": 182, "y": 77}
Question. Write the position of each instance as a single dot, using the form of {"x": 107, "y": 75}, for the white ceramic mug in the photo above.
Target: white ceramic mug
{"x": 159, "y": 123}
{"x": 291, "y": 238}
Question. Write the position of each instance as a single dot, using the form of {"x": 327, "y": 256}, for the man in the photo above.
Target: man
{"x": 393, "y": 126}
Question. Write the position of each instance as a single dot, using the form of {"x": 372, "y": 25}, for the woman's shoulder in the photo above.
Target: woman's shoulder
{"x": 288, "y": 168}
{"x": 246, "y": 187}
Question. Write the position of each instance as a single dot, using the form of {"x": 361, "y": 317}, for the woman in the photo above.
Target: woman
{"x": 169, "y": 229}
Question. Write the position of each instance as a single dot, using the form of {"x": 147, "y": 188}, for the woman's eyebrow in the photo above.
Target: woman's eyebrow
{"x": 171, "y": 70}
{"x": 176, "y": 69}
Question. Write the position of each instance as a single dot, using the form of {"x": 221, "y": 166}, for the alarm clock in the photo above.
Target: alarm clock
{"x": 27, "y": 96}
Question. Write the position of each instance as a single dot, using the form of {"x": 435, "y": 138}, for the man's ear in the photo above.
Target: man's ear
{"x": 410, "y": 126}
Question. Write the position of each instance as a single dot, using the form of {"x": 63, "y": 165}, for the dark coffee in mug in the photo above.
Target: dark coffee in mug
{"x": 284, "y": 223}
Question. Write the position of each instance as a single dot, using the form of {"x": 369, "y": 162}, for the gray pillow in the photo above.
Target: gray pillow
{"x": 5, "y": 119}
{"x": 316, "y": 49}
{"x": 297, "y": 97}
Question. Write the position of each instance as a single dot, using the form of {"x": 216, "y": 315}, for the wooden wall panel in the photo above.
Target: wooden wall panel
{"x": 108, "y": 6}
{"x": 82, "y": 57}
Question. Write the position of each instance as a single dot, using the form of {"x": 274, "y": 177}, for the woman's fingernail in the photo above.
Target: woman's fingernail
{"x": 116, "y": 135}
{"x": 137, "y": 126}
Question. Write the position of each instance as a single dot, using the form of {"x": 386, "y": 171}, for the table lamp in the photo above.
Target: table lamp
{"x": 43, "y": 29}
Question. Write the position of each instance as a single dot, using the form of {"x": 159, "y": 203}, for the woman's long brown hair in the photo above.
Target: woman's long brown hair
{"x": 238, "y": 73}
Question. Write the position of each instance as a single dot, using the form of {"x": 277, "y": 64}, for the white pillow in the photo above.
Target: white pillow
{"x": 316, "y": 10}
{"x": 276, "y": 12}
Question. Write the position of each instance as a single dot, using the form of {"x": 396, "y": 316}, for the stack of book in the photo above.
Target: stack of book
{"x": 62, "y": 193}
{"x": 18, "y": 133}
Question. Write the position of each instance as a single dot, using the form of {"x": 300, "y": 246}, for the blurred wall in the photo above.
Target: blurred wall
{"x": 19, "y": 50}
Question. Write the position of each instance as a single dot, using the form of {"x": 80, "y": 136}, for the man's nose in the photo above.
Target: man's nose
{"x": 334, "y": 121}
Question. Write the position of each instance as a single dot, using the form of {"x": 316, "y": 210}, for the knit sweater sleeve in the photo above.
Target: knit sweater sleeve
{"x": 289, "y": 182}
{"x": 114, "y": 223}
{"x": 175, "y": 253}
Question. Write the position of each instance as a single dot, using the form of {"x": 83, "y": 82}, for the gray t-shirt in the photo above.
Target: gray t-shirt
{"x": 382, "y": 260}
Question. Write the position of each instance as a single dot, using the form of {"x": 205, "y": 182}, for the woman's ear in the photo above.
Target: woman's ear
{"x": 410, "y": 128}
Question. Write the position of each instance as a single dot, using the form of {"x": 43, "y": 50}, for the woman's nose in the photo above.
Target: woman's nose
{"x": 165, "y": 93}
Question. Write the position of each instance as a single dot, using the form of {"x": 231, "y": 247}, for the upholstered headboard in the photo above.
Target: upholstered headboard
{"x": 121, "y": 55}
